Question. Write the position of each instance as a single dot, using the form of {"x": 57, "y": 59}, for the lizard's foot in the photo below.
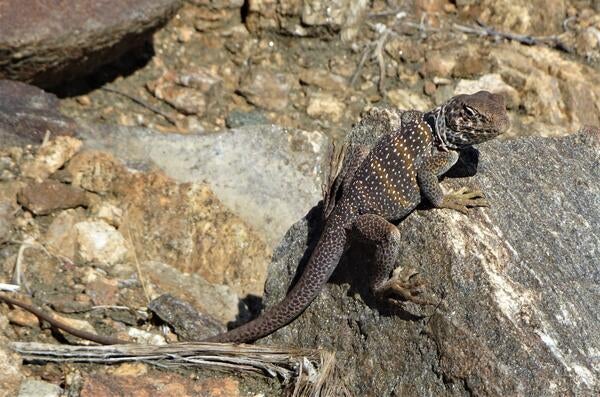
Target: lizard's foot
{"x": 464, "y": 198}
{"x": 405, "y": 284}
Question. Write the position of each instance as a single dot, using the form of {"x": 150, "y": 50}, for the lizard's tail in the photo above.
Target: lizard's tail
{"x": 321, "y": 265}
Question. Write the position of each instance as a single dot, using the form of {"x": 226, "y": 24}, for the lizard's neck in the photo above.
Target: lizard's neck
{"x": 437, "y": 122}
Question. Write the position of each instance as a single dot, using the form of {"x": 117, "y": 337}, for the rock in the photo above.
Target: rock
{"x": 108, "y": 212}
{"x": 186, "y": 321}
{"x": 49, "y": 196}
{"x": 529, "y": 17}
{"x": 28, "y": 113}
{"x": 266, "y": 88}
{"x": 50, "y": 157}
{"x": 517, "y": 283}
{"x": 95, "y": 171}
{"x": 38, "y": 388}
{"x": 404, "y": 49}
{"x": 324, "y": 80}
{"x": 325, "y": 106}
{"x": 6, "y": 218}
{"x": 438, "y": 65}
{"x": 266, "y": 165}
{"x": 47, "y": 43}
{"x": 407, "y": 99}
{"x": 186, "y": 225}
{"x": 493, "y": 83}
{"x": 60, "y": 237}
{"x": 217, "y": 301}
{"x": 157, "y": 383}
{"x": 103, "y": 291}
{"x": 99, "y": 242}
{"x": 23, "y": 318}
{"x": 186, "y": 100}
{"x": 10, "y": 369}
{"x": 237, "y": 119}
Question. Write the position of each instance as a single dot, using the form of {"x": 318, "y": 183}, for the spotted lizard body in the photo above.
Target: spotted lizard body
{"x": 383, "y": 185}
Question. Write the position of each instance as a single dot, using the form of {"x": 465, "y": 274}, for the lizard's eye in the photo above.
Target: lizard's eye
{"x": 470, "y": 111}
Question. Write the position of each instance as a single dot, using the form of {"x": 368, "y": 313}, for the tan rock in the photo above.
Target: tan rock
{"x": 266, "y": 88}
{"x": 49, "y": 196}
{"x": 95, "y": 171}
{"x": 11, "y": 373}
{"x": 407, "y": 99}
{"x": 324, "y": 79}
{"x": 99, "y": 242}
{"x": 186, "y": 100}
{"x": 493, "y": 83}
{"x": 325, "y": 106}
{"x": 186, "y": 225}
{"x": 50, "y": 157}
{"x": 157, "y": 383}
{"x": 60, "y": 237}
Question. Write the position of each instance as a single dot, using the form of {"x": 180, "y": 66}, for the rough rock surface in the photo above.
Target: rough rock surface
{"x": 518, "y": 283}
{"x": 27, "y": 113}
{"x": 272, "y": 174}
{"x": 49, "y": 196}
{"x": 45, "y": 42}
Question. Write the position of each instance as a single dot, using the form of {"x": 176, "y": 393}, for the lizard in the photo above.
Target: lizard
{"x": 383, "y": 185}
{"x": 378, "y": 186}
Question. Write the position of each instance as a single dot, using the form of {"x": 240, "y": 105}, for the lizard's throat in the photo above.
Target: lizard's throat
{"x": 440, "y": 129}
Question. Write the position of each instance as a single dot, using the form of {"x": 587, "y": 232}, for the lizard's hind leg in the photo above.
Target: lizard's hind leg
{"x": 404, "y": 283}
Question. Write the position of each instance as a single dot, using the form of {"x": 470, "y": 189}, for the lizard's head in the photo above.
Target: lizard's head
{"x": 469, "y": 119}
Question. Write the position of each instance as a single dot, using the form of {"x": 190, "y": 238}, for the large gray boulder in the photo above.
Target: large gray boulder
{"x": 28, "y": 113}
{"x": 267, "y": 175}
{"x": 518, "y": 283}
{"x": 45, "y": 42}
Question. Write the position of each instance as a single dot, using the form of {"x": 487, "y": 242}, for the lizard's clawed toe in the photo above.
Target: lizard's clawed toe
{"x": 405, "y": 284}
{"x": 464, "y": 198}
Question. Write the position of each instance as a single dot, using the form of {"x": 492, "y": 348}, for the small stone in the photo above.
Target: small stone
{"x": 60, "y": 238}
{"x": 186, "y": 100}
{"x": 103, "y": 291}
{"x": 6, "y": 217}
{"x": 493, "y": 83}
{"x": 202, "y": 79}
{"x": 404, "y": 49}
{"x": 438, "y": 65}
{"x": 429, "y": 88}
{"x": 49, "y": 196}
{"x": 324, "y": 79}
{"x": 100, "y": 242}
{"x": 237, "y": 119}
{"x": 84, "y": 100}
{"x": 185, "y": 320}
{"x": 152, "y": 383}
{"x": 23, "y": 318}
{"x": 184, "y": 34}
{"x": 50, "y": 157}
{"x": 95, "y": 171}
{"x": 267, "y": 89}
{"x": 407, "y": 100}
{"x": 10, "y": 369}
{"x": 38, "y": 388}
{"x": 325, "y": 106}
{"x": 108, "y": 212}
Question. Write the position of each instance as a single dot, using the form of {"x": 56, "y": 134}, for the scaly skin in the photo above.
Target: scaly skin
{"x": 383, "y": 185}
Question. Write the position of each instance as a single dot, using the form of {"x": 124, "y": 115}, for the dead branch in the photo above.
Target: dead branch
{"x": 484, "y": 30}
{"x": 154, "y": 109}
{"x": 306, "y": 372}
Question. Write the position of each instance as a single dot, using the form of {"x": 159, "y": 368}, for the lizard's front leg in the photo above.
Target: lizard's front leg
{"x": 404, "y": 283}
{"x": 459, "y": 200}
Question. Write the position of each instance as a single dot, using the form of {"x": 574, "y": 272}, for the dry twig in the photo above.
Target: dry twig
{"x": 165, "y": 115}
{"x": 307, "y": 372}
